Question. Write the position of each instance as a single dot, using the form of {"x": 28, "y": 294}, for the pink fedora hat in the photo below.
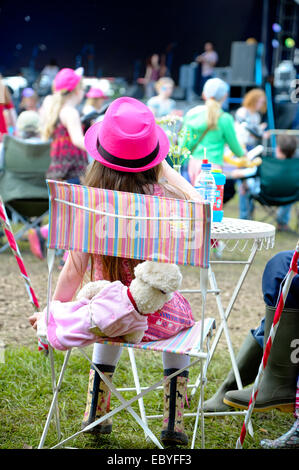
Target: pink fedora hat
{"x": 128, "y": 138}
{"x": 66, "y": 79}
{"x": 95, "y": 93}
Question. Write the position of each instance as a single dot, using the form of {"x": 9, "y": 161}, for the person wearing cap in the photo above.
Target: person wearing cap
{"x": 61, "y": 124}
{"x": 28, "y": 126}
{"x": 95, "y": 99}
{"x": 129, "y": 151}
{"x": 29, "y": 101}
{"x": 208, "y": 129}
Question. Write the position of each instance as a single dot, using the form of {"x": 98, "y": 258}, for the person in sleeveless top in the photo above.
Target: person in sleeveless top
{"x": 61, "y": 124}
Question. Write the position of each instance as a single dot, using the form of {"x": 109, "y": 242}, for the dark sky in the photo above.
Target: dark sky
{"x": 122, "y": 32}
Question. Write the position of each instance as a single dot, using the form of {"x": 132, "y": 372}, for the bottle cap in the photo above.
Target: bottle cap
{"x": 205, "y": 164}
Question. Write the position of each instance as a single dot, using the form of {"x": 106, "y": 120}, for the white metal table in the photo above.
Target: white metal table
{"x": 234, "y": 235}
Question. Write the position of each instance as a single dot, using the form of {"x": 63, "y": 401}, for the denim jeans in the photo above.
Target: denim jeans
{"x": 283, "y": 214}
{"x": 259, "y": 333}
{"x": 273, "y": 275}
{"x": 246, "y": 205}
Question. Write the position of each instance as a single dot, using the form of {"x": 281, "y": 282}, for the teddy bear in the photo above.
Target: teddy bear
{"x": 110, "y": 309}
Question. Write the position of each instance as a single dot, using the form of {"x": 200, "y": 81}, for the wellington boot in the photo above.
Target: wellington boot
{"x": 98, "y": 400}
{"x": 248, "y": 360}
{"x": 175, "y": 391}
{"x": 278, "y": 385}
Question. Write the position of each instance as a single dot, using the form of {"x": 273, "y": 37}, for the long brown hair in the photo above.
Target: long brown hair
{"x": 100, "y": 176}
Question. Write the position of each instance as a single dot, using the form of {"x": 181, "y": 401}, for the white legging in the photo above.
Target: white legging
{"x": 109, "y": 355}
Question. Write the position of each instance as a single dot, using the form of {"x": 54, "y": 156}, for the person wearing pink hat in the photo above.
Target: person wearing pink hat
{"x": 129, "y": 151}
{"x": 95, "y": 99}
{"x": 60, "y": 123}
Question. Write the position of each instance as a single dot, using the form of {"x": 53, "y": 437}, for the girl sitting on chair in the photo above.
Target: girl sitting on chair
{"x": 129, "y": 150}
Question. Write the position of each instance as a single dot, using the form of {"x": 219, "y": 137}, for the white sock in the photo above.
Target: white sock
{"x": 175, "y": 361}
{"x": 109, "y": 355}
{"x": 106, "y": 354}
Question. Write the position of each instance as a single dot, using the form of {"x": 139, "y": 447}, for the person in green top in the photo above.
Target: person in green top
{"x": 207, "y": 129}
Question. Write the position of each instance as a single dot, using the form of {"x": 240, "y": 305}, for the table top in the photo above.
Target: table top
{"x": 241, "y": 229}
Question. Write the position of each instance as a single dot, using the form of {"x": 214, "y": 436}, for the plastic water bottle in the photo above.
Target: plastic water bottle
{"x": 205, "y": 183}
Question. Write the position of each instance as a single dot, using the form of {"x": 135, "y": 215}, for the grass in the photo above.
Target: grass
{"x": 26, "y": 394}
{"x": 25, "y": 390}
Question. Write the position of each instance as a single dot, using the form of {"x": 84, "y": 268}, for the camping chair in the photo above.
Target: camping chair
{"x": 22, "y": 182}
{"x": 279, "y": 184}
{"x": 140, "y": 227}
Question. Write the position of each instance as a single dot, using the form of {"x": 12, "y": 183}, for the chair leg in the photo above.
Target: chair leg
{"x": 137, "y": 385}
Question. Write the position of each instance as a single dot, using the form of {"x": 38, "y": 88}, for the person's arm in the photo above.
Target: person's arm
{"x": 68, "y": 282}
{"x": 230, "y": 136}
{"x": 174, "y": 178}
{"x": 71, "y": 119}
{"x": 71, "y": 276}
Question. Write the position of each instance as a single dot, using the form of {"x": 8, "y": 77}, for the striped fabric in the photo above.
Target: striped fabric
{"x": 128, "y": 225}
{"x": 182, "y": 343}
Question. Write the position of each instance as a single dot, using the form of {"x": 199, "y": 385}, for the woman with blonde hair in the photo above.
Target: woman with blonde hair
{"x": 208, "y": 129}
{"x": 61, "y": 124}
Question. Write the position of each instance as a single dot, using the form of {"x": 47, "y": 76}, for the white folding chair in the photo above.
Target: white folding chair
{"x": 142, "y": 227}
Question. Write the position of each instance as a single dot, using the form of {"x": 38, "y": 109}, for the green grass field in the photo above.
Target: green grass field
{"x": 26, "y": 393}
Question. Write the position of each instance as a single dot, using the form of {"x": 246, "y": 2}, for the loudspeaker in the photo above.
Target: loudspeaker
{"x": 242, "y": 62}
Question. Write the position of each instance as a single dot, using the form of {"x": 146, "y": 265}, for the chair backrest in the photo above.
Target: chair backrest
{"x": 24, "y": 168}
{"x": 128, "y": 225}
{"x": 279, "y": 179}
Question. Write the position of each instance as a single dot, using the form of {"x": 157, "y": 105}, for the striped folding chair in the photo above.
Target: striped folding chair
{"x": 142, "y": 227}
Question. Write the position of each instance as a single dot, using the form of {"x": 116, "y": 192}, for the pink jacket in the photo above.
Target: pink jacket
{"x": 110, "y": 310}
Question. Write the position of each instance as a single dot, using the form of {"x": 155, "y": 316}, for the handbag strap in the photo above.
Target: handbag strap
{"x": 200, "y": 139}
{"x": 202, "y": 136}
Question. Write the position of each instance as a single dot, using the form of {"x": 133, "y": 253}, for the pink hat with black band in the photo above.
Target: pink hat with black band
{"x": 128, "y": 138}
{"x": 66, "y": 79}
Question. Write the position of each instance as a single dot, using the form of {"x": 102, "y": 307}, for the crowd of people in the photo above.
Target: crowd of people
{"x": 98, "y": 157}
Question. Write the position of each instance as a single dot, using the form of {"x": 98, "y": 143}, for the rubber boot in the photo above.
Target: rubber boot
{"x": 248, "y": 360}
{"x": 175, "y": 391}
{"x": 98, "y": 400}
{"x": 278, "y": 385}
